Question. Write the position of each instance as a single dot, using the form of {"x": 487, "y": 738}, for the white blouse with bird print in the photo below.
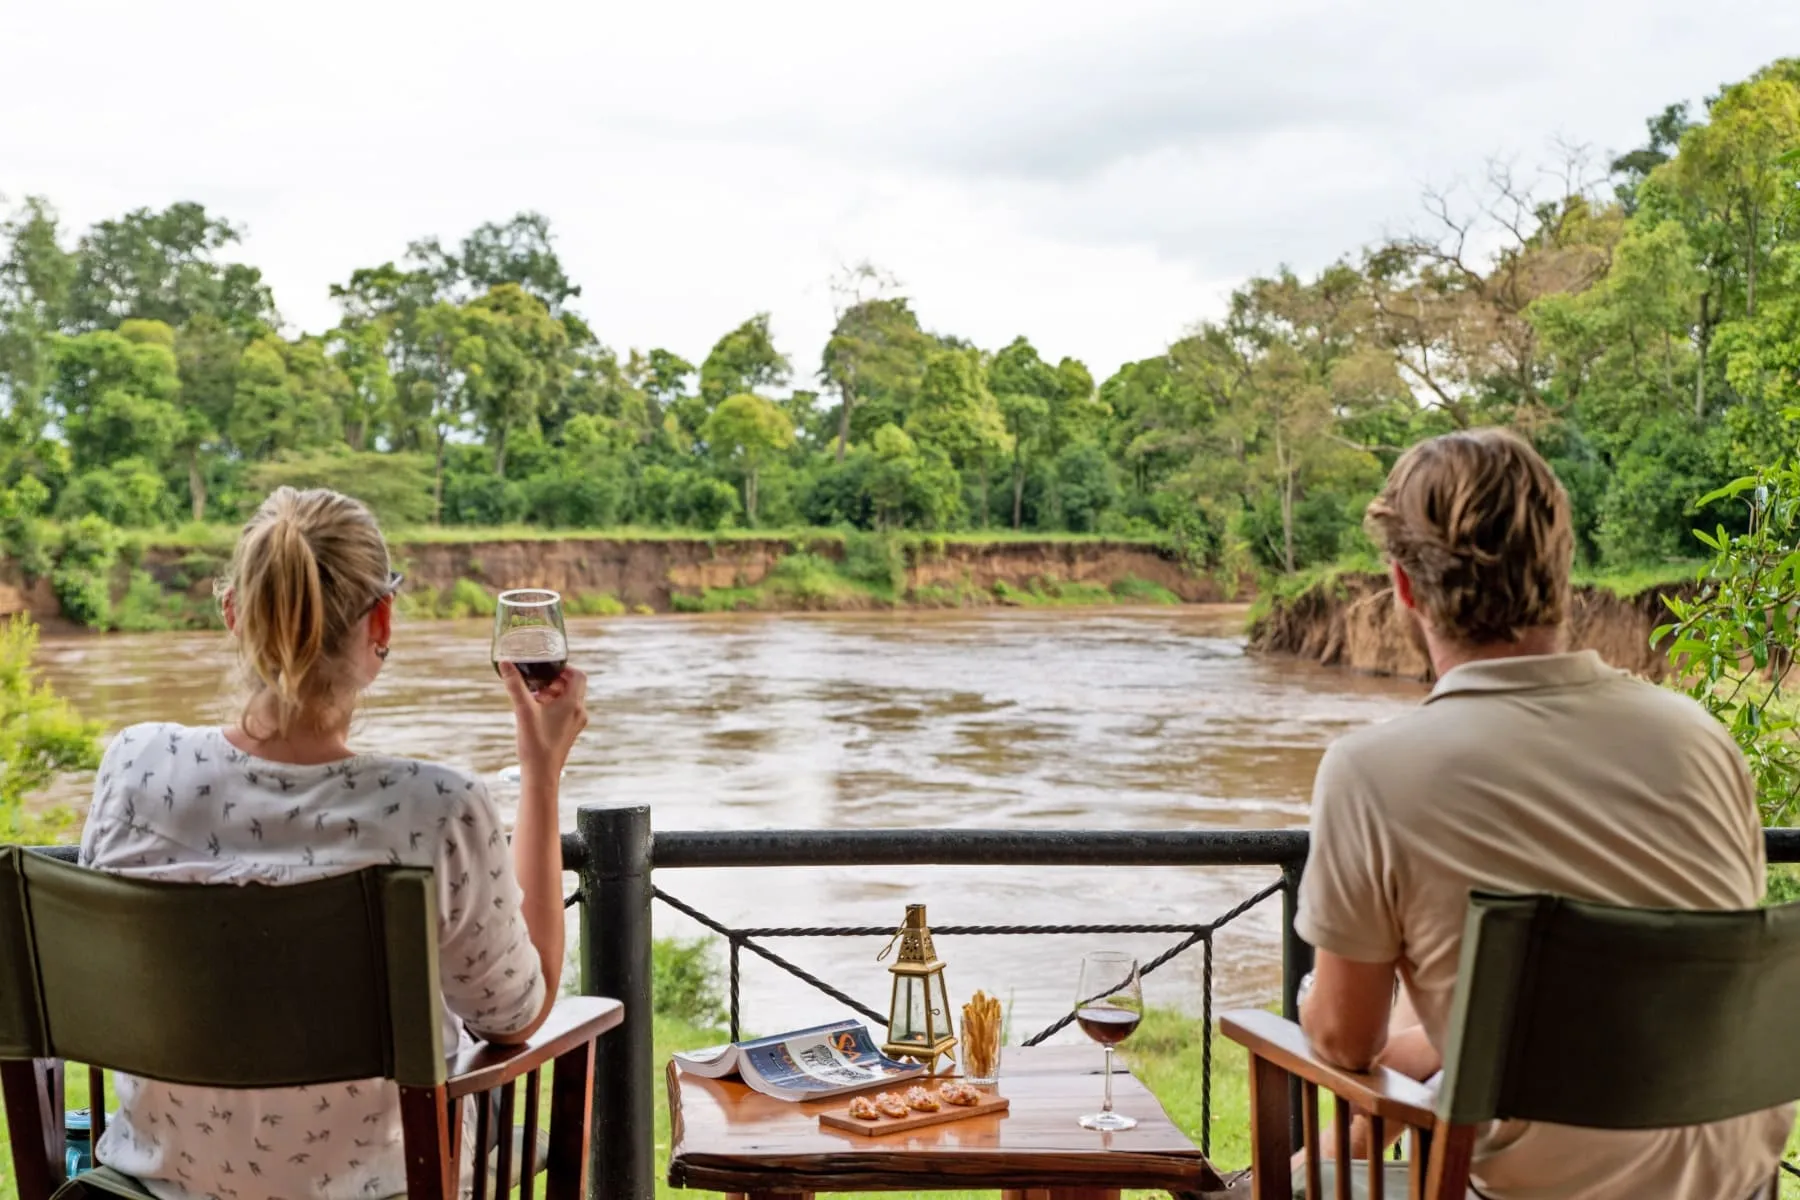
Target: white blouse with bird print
{"x": 182, "y": 803}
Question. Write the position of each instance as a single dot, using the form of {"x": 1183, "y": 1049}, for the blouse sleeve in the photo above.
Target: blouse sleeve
{"x": 492, "y": 977}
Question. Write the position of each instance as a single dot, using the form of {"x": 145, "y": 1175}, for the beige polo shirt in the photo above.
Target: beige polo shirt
{"x": 1552, "y": 773}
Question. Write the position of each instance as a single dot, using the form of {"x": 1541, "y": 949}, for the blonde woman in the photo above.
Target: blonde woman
{"x": 280, "y": 797}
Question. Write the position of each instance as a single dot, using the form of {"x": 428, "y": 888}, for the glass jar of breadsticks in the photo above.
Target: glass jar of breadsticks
{"x": 981, "y": 1040}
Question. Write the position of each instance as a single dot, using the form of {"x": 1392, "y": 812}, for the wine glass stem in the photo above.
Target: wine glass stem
{"x": 1107, "y": 1106}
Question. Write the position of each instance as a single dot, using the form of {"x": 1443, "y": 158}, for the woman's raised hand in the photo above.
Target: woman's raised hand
{"x": 548, "y": 720}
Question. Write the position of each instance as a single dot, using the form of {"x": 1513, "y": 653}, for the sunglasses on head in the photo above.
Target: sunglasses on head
{"x": 394, "y": 580}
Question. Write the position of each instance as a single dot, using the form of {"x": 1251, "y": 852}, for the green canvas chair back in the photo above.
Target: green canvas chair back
{"x": 237, "y": 987}
{"x": 1621, "y": 1018}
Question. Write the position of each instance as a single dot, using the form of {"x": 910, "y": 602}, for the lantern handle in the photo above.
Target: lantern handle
{"x": 892, "y": 942}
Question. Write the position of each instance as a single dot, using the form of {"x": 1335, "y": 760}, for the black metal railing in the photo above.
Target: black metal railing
{"x": 614, "y": 853}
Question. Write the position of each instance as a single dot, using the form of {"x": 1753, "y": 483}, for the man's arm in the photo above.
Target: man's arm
{"x": 1346, "y": 1013}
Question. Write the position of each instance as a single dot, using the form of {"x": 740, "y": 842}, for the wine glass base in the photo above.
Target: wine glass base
{"x": 1109, "y": 1122}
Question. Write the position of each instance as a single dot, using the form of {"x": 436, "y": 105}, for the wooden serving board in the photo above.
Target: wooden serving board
{"x": 842, "y": 1120}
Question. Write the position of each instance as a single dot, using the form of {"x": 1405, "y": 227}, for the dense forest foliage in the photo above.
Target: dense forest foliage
{"x": 1639, "y": 319}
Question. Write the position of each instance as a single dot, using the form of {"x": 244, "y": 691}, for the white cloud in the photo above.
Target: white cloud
{"x": 1093, "y": 176}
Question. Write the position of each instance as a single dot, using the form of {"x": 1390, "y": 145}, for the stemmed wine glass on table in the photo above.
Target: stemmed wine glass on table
{"x": 1109, "y": 1003}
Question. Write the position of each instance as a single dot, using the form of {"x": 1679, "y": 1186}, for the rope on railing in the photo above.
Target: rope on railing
{"x": 738, "y": 939}
{"x": 746, "y": 939}
{"x": 1204, "y": 934}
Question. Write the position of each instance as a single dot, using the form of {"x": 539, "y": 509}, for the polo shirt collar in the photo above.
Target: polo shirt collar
{"x": 1523, "y": 672}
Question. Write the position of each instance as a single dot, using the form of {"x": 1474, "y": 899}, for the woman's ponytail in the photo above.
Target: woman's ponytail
{"x": 308, "y": 566}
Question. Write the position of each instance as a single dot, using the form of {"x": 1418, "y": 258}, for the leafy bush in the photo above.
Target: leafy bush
{"x": 82, "y": 576}
{"x": 1197, "y": 534}
{"x": 706, "y": 503}
{"x": 1086, "y": 486}
{"x": 805, "y": 577}
{"x": 128, "y": 493}
{"x": 875, "y": 559}
{"x": 22, "y": 529}
{"x": 40, "y": 734}
{"x": 567, "y": 497}
{"x": 684, "y": 981}
{"x": 146, "y": 608}
{"x": 481, "y": 499}
{"x": 1734, "y": 644}
{"x": 396, "y": 487}
{"x": 469, "y": 599}
{"x": 1133, "y": 590}
{"x": 1647, "y": 511}
{"x": 595, "y": 604}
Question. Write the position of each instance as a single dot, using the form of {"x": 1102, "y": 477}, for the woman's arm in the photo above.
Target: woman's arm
{"x": 548, "y": 721}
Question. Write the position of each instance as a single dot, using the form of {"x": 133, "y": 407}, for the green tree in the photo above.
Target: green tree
{"x": 744, "y": 360}
{"x": 115, "y": 394}
{"x": 164, "y": 266}
{"x": 35, "y": 277}
{"x": 359, "y": 353}
{"x": 748, "y": 431}
{"x": 957, "y": 416}
{"x": 520, "y": 251}
{"x": 511, "y": 355}
{"x": 288, "y": 397}
{"x": 875, "y": 357}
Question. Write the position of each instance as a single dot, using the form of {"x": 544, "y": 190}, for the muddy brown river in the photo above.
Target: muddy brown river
{"x": 1043, "y": 720}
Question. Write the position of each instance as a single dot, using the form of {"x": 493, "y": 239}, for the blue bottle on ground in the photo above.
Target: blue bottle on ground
{"x": 78, "y": 1141}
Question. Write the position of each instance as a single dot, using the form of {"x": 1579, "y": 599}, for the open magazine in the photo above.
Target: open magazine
{"x": 808, "y": 1064}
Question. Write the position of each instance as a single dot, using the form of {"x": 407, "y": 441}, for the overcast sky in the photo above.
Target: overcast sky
{"x": 1094, "y": 174}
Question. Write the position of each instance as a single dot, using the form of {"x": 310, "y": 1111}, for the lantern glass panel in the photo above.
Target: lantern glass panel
{"x": 908, "y": 1013}
{"x": 940, "y": 1007}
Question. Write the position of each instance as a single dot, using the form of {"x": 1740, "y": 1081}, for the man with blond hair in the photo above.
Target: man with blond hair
{"x": 1527, "y": 769}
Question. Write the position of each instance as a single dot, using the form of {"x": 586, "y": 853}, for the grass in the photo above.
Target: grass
{"x": 1629, "y": 581}
{"x": 221, "y": 537}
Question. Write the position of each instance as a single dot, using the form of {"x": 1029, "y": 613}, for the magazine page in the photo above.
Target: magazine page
{"x": 820, "y": 1063}
{"x": 717, "y": 1062}
{"x": 714, "y": 1062}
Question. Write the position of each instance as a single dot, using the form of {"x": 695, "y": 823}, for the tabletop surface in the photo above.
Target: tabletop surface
{"x": 728, "y": 1137}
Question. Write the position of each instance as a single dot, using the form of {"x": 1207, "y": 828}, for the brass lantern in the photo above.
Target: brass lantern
{"x": 919, "y": 1016}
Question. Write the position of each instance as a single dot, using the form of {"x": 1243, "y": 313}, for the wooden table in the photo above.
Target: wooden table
{"x": 728, "y": 1138}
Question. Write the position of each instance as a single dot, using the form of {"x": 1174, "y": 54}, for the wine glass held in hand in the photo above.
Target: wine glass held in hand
{"x": 1109, "y": 1003}
{"x": 528, "y": 633}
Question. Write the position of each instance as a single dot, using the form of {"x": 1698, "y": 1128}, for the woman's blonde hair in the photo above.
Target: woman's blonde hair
{"x": 1481, "y": 525}
{"x": 308, "y": 568}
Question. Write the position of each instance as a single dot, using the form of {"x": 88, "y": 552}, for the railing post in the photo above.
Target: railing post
{"x": 615, "y": 961}
{"x": 1296, "y": 961}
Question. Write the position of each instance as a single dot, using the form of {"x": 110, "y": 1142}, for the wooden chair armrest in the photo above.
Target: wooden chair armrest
{"x": 1384, "y": 1092}
{"x": 574, "y": 1021}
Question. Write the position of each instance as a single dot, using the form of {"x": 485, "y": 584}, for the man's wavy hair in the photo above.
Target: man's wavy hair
{"x": 1480, "y": 524}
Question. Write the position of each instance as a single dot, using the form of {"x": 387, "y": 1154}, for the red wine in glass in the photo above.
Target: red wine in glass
{"x": 1107, "y": 1025}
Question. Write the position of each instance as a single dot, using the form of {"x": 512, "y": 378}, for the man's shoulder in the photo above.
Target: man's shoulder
{"x": 1448, "y": 727}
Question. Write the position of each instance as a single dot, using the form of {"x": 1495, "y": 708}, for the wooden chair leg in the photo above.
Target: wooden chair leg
{"x": 32, "y": 1097}
{"x": 1452, "y": 1148}
{"x": 425, "y": 1124}
{"x": 571, "y": 1113}
{"x": 1269, "y": 1117}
